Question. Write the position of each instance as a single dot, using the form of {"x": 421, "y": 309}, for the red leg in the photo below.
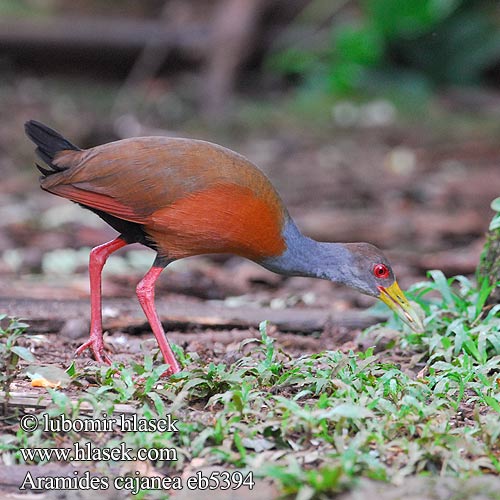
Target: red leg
{"x": 146, "y": 294}
{"x": 98, "y": 257}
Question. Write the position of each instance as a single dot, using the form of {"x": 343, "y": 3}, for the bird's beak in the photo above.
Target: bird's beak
{"x": 396, "y": 300}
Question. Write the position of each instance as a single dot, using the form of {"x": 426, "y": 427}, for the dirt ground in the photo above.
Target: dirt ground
{"x": 422, "y": 197}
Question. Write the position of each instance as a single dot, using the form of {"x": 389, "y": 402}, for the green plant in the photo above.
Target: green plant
{"x": 458, "y": 322}
{"x": 316, "y": 423}
{"x": 10, "y": 352}
{"x": 408, "y": 46}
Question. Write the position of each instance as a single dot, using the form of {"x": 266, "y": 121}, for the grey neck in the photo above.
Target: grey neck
{"x": 307, "y": 257}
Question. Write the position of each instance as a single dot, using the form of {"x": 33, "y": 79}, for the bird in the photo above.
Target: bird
{"x": 185, "y": 197}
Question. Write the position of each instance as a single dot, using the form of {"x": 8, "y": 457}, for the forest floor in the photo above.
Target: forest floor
{"x": 420, "y": 193}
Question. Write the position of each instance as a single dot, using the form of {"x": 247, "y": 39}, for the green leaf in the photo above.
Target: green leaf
{"x": 446, "y": 342}
{"x": 471, "y": 348}
{"x": 442, "y": 286}
{"x": 495, "y": 223}
{"x": 408, "y": 19}
{"x": 194, "y": 383}
{"x": 458, "y": 328}
{"x": 493, "y": 337}
{"x": 348, "y": 410}
{"x": 359, "y": 45}
{"x": 61, "y": 400}
{"x": 257, "y": 444}
{"x": 263, "y": 330}
{"x": 484, "y": 293}
{"x": 158, "y": 402}
{"x": 495, "y": 204}
{"x": 238, "y": 403}
{"x": 16, "y": 324}
{"x": 23, "y": 353}
{"x": 492, "y": 402}
{"x": 71, "y": 370}
{"x": 495, "y": 310}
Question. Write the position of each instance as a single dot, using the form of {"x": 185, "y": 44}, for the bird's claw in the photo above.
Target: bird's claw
{"x": 168, "y": 372}
{"x": 96, "y": 345}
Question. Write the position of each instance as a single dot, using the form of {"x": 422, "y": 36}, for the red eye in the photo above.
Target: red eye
{"x": 381, "y": 271}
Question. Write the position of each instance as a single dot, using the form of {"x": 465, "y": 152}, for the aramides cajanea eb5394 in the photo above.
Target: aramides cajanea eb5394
{"x": 185, "y": 197}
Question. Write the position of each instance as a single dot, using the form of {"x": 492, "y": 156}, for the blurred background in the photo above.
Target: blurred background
{"x": 377, "y": 120}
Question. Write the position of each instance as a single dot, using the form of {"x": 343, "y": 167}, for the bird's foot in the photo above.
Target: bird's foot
{"x": 171, "y": 370}
{"x": 96, "y": 345}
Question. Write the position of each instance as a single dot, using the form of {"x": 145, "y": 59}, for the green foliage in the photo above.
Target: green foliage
{"x": 403, "y": 46}
{"x": 315, "y": 423}
{"x": 395, "y": 19}
{"x": 10, "y": 352}
{"x": 459, "y": 323}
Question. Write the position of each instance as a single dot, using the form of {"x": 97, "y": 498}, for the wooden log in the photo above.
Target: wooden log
{"x": 37, "y": 400}
{"x": 94, "y": 33}
{"x": 47, "y": 315}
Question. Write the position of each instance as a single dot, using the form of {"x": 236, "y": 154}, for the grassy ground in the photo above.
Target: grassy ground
{"x": 309, "y": 426}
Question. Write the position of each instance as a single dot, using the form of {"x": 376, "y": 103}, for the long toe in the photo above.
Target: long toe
{"x": 171, "y": 371}
{"x": 97, "y": 349}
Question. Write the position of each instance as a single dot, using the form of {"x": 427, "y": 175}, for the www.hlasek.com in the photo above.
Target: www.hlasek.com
{"x": 83, "y": 452}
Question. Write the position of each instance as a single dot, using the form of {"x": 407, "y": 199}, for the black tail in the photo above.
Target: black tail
{"x": 49, "y": 142}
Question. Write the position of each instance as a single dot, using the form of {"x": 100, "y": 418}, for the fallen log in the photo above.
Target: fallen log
{"x": 94, "y": 33}
{"x": 49, "y": 316}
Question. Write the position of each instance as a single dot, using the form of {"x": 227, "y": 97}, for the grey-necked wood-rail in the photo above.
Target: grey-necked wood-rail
{"x": 185, "y": 197}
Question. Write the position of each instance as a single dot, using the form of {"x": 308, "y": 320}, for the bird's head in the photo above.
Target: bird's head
{"x": 371, "y": 273}
{"x": 358, "y": 265}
